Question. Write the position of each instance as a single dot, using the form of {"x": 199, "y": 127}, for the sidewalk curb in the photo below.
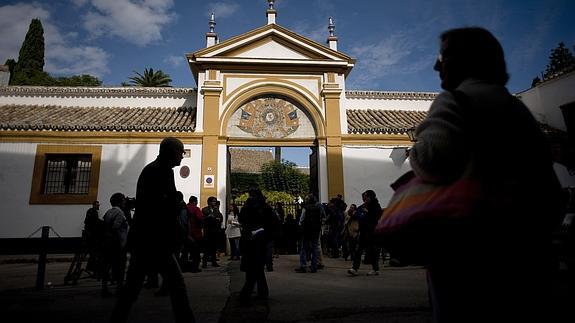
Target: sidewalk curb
{"x": 33, "y": 259}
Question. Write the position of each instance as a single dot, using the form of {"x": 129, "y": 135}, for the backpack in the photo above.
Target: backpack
{"x": 312, "y": 220}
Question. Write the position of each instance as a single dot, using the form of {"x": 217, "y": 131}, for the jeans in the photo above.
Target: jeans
{"x": 234, "y": 247}
{"x": 255, "y": 276}
{"x": 370, "y": 249}
{"x": 210, "y": 249}
{"x": 270, "y": 254}
{"x": 310, "y": 246}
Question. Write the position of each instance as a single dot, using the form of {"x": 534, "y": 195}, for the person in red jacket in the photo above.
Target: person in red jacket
{"x": 195, "y": 235}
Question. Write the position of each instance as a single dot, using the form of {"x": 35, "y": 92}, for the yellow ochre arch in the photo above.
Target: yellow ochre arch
{"x": 282, "y": 89}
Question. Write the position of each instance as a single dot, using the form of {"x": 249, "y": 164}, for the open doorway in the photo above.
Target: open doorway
{"x": 285, "y": 175}
{"x": 292, "y": 170}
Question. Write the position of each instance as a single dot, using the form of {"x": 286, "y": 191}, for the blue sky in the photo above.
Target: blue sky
{"x": 395, "y": 42}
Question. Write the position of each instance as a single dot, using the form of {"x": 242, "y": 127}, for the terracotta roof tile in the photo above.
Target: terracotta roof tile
{"x": 397, "y": 122}
{"x": 52, "y": 117}
{"x": 382, "y": 121}
{"x": 249, "y": 160}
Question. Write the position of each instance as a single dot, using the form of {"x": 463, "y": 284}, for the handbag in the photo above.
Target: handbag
{"x": 415, "y": 199}
{"x": 421, "y": 215}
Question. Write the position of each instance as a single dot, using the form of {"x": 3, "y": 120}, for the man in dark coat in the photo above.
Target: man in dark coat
{"x": 213, "y": 219}
{"x": 370, "y": 212}
{"x": 310, "y": 223}
{"x": 257, "y": 219}
{"x": 92, "y": 235}
{"x": 153, "y": 235}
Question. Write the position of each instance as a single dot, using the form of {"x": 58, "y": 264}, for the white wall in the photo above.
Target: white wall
{"x": 222, "y": 180}
{"x": 322, "y": 173}
{"x": 387, "y": 104}
{"x": 545, "y": 99}
{"x": 121, "y": 165}
{"x": 371, "y": 168}
{"x": 191, "y": 185}
{"x": 95, "y": 99}
{"x": 200, "y": 105}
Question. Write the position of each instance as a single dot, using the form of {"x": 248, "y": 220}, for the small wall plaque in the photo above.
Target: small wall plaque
{"x": 209, "y": 181}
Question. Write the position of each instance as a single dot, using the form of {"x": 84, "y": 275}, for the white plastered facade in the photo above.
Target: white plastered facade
{"x": 366, "y": 165}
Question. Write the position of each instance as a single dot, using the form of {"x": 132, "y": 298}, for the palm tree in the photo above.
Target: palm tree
{"x": 151, "y": 78}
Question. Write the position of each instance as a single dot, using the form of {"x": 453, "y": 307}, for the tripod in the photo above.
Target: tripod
{"x": 75, "y": 270}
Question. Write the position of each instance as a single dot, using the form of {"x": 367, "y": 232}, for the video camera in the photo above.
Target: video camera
{"x": 130, "y": 203}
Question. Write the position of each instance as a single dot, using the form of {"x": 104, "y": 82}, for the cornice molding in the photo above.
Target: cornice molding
{"x": 95, "y": 137}
{"x": 95, "y": 91}
{"x": 386, "y": 95}
{"x": 375, "y": 140}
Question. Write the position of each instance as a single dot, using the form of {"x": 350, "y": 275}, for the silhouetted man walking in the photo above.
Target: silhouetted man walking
{"x": 153, "y": 236}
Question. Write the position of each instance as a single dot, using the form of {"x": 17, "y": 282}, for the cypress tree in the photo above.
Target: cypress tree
{"x": 561, "y": 60}
{"x": 29, "y": 69}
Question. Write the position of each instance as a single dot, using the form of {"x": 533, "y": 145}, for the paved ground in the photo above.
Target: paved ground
{"x": 398, "y": 294}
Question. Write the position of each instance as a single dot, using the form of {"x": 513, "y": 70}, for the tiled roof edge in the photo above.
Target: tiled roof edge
{"x": 160, "y": 127}
{"x": 67, "y": 128}
{"x": 389, "y": 95}
{"x": 362, "y": 125}
{"x": 126, "y": 91}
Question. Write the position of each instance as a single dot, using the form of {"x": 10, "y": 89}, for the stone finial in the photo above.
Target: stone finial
{"x": 271, "y": 13}
{"x": 331, "y": 39}
{"x": 212, "y": 23}
{"x": 331, "y": 27}
{"x": 211, "y": 36}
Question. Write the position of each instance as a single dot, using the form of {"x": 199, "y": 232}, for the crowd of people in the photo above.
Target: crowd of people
{"x": 167, "y": 234}
{"x": 314, "y": 230}
{"x": 199, "y": 234}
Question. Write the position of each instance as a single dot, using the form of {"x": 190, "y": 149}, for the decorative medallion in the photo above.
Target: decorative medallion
{"x": 269, "y": 118}
{"x": 184, "y": 172}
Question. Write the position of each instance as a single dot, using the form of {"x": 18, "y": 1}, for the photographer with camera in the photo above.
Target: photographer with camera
{"x": 129, "y": 206}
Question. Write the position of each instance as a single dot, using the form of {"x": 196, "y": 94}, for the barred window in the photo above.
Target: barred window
{"x": 67, "y": 174}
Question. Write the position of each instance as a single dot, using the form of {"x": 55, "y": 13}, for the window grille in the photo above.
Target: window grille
{"x": 67, "y": 173}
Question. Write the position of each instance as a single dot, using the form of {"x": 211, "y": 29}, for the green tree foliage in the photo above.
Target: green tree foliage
{"x": 77, "y": 80}
{"x": 151, "y": 79}
{"x": 243, "y": 181}
{"x": 283, "y": 176}
{"x": 272, "y": 197}
{"x": 561, "y": 60}
{"x": 29, "y": 70}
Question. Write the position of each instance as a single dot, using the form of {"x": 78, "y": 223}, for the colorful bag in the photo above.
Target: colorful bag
{"x": 419, "y": 212}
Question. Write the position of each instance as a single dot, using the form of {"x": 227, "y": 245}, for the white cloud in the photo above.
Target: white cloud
{"x": 138, "y": 22}
{"x": 63, "y": 56}
{"x": 222, "y": 9}
{"x": 175, "y": 60}
{"x": 397, "y": 54}
{"x": 14, "y": 23}
{"x": 77, "y": 60}
{"x": 317, "y": 31}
